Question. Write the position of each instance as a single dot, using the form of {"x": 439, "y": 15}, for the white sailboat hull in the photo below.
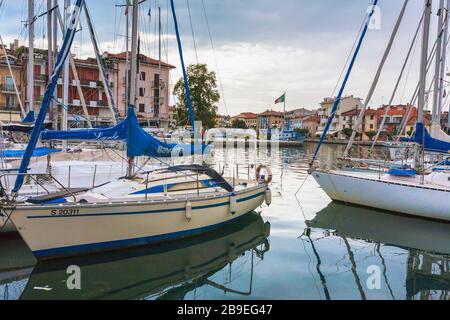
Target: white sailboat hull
{"x": 67, "y": 230}
{"x": 402, "y": 197}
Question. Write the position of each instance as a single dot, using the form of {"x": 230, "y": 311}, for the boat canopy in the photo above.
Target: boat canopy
{"x": 29, "y": 118}
{"x": 429, "y": 142}
{"x": 39, "y": 152}
{"x": 140, "y": 142}
{"x": 204, "y": 170}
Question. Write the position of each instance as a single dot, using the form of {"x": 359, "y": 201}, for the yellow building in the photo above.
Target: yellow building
{"x": 9, "y": 103}
{"x": 271, "y": 120}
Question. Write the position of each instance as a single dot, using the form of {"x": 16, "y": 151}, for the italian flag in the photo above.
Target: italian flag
{"x": 127, "y": 7}
{"x": 281, "y": 99}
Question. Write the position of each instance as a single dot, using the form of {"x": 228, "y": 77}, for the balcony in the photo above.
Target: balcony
{"x": 41, "y": 78}
{"x": 7, "y": 89}
{"x": 162, "y": 84}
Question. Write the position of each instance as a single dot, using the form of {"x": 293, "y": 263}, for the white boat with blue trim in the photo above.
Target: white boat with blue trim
{"x": 413, "y": 190}
{"x": 139, "y": 209}
{"x": 152, "y": 212}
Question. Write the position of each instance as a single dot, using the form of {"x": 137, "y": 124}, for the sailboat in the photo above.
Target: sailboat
{"x": 168, "y": 272}
{"x": 421, "y": 191}
{"x": 141, "y": 208}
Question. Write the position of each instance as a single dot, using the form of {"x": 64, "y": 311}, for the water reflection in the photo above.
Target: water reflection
{"x": 330, "y": 260}
{"x": 423, "y": 246}
{"x": 166, "y": 272}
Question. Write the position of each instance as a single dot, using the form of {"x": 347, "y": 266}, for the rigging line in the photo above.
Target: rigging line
{"x": 374, "y": 85}
{"x": 413, "y": 45}
{"x": 348, "y": 58}
{"x": 192, "y": 30}
{"x": 219, "y": 77}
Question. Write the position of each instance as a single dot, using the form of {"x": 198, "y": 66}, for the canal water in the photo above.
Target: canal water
{"x": 301, "y": 247}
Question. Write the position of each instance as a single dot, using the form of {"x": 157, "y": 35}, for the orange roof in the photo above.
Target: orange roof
{"x": 248, "y": 115}
{"x": 352, "y": 113}
{"x": 142, "y": 58}
{"x": 271, "y": 113}
{"x": 313, "y": 118}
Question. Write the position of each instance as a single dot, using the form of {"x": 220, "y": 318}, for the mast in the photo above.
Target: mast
{"x": 67, "y": 4}
{"x": 445, "y": 17}
{"x": 102, "y": 68}
{"x": 423, "y": 62}
{"x": 158, "y": 107}
{"x": 185, "y": 76}
{"x": 437, "y": 75}
{"x": 423, "y": 80}
{"x": 127, "y": 59}
{"x": 346, "y": 78}
{"x": 360, "y": 117}
{"x": 62, "y": 56}
{"x": 50, "y": 47}
{"x": 134, "y": 62}
{"x": 30, "y": 72}
{"x": 73, "y": 67}
{"x": 55, "y": 53}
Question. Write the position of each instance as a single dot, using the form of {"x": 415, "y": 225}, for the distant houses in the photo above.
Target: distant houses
{"x": 313, "y": 122}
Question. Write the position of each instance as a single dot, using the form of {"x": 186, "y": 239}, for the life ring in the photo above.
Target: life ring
{"x": 267, "y": 179}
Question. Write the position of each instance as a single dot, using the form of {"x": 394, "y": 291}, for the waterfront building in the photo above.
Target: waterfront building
{"x": 296, "y": 117}
{"x": 311, "y": 123}
{"x": 394, "y": 119}
{"x": 153, "y": 98}
{"x": 346, "y": 104}
{"x": 271, "y": 120}
{"x": 223, "y": 121}
{"x": 9, "y": 104}
{"x": 250, "y": 119}
{"x": 368, "y": 128}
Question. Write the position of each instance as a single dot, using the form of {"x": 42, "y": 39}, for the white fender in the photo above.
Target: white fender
{"x": 233, "y": 204}
{"x": 188, "y": 211}
{"x": 268, "y": 197}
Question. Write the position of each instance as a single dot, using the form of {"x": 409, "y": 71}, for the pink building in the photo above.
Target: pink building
{"x": 152, "y": 88}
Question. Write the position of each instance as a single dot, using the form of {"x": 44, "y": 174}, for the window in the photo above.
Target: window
{"x": 372, "y": 117}
{"x": 371, "y": 126}
{"x": 9, "y": 102}
{"x": 142, "y": 76}
{"x": 141, "y": 92}
{"x": 9, "y": 83}
{"x": 141, "y": 108}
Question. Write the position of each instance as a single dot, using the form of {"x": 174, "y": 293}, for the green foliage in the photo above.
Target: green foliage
{"x": 204, "y": 93}
{"x": 348, "y": 133}
{"x": 239, "y": 124}
{"x": 371, "y": 134}
{"x": 302, "y": 131}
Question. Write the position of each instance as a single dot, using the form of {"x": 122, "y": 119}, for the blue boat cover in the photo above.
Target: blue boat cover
{"x": 39, "y": 152}
{"x": 29, "y": 118}
{"x": 140, "y": 143}
{"x": 430, "y": 144}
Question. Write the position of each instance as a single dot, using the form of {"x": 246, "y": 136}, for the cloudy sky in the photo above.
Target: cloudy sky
{"x": 262, "y": 47}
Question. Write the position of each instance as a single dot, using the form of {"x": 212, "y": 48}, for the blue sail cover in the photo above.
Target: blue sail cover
{"x": 29, "y": 118}
{"x": 140, "y": 143}
{"x": 430, "y": 144}
{"x": 116, "y": 133}
{"x": 39, "y": 152}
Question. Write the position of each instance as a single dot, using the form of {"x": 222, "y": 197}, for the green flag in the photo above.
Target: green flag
{"x": 281, "y": 99}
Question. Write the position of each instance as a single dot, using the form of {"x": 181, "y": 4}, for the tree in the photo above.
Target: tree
{"x": 204, "y": 94}
{"x": 348, "y": 133}
{"x": 371, "y": 135}
{"x": 239, "y": 124}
